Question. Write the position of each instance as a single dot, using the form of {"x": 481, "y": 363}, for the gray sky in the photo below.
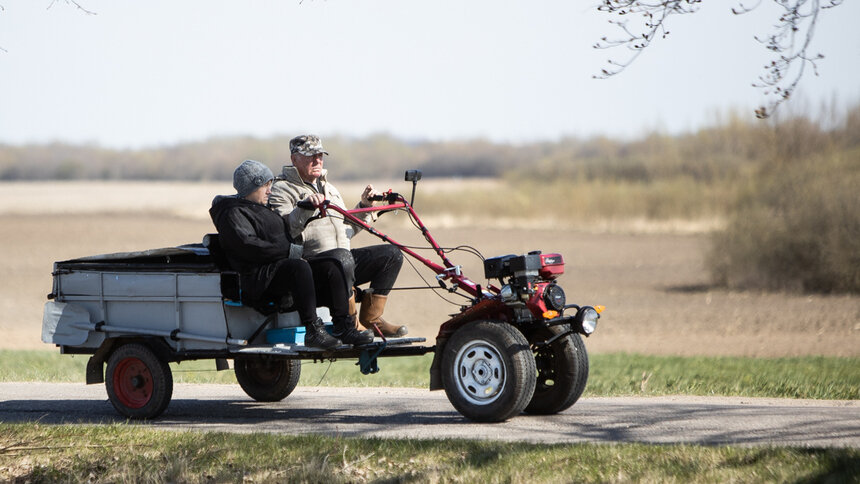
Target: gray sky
{"x": 142, "y": 73}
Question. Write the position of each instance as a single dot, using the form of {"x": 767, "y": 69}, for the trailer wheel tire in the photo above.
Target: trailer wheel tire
{"x": 562, "y": 372}
{"x": 488, "y": 371}
{"x": 266, "y": 379}
{"x": 139, "y": 384}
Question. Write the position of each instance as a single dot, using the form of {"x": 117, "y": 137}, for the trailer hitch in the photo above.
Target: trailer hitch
{"x": 367, "y": 360}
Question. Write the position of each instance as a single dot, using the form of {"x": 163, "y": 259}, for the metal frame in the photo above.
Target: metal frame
{"x": 446, "y": 272}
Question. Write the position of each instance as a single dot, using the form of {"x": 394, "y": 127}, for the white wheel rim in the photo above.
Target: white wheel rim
{"x": 480, "y": 372}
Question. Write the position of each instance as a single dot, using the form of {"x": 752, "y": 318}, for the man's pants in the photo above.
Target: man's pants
{"x": 377, "y": 264}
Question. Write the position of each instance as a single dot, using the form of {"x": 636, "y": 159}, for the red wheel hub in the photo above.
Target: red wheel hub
{"x": 132, "y": 383}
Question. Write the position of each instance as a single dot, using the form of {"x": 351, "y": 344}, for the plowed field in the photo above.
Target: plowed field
{"x": 654, "y": 285}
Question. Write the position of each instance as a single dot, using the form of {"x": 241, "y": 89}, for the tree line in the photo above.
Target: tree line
{"x": 718, "y": 153}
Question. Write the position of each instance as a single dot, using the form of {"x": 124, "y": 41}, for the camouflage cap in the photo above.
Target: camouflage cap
{"x": 307, "y": 144}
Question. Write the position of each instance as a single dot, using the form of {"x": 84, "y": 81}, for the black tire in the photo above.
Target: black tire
{"x": 139, "y": 384}
{"x": 562, "y": 372}
{"x": 488, "y": 371}
{"x": 268, "y": 379}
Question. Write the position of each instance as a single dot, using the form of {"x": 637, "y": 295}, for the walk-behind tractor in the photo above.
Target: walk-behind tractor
{"x": 516, "y": 345}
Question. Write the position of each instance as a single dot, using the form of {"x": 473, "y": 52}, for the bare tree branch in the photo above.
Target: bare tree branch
{"x": 1, "y": 47}
{"x": 789, "y": 41}
{"x": 72, "y": 2}
{"x": 67, "y": 2}
{"x": 651, "y": 17}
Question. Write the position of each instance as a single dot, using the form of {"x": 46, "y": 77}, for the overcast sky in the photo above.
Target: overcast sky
{"x": 156, "y": 72}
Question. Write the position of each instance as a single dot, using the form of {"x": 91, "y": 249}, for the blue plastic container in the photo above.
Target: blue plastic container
{"x": 294, "y": 335}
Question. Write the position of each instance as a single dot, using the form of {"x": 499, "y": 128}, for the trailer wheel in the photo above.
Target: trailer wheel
{"x": 139, "y": 384}
{"x": 562, "y": 371}
{"x": 488, "y": 371}
{"x": 266, "y": 379}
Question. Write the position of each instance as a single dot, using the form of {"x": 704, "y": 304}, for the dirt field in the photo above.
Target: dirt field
{"x": 654, "y": 285}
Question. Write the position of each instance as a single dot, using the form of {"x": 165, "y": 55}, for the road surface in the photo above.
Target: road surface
{"x": 421, "y": 414}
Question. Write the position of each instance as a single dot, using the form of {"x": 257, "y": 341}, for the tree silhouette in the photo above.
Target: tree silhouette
{"x": 642, "y": 21}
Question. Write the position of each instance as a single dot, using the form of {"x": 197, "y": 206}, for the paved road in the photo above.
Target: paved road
{"x": 416, "y": 413}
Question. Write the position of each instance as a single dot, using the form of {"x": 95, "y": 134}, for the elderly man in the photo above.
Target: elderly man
{"x": 257, "y": 245}
{"x": 329, "y": 237}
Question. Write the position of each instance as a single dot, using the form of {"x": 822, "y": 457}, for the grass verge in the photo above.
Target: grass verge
{"x": 617, "y": 374}
{"x": 131, "y": 453}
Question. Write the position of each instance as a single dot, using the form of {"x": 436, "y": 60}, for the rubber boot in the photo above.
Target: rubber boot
{"x": 344, "y": 330}
{"x": 317, "y": 337}
{"x": 353, "y": 311}
{"x": 372, "y": 306}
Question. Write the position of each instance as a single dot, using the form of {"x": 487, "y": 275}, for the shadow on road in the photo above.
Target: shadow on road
{"x": 604, "y": 420}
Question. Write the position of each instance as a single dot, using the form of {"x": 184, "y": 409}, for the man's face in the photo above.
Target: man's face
{"x": 260, "y": 195}
{"x": 309, "y": 167}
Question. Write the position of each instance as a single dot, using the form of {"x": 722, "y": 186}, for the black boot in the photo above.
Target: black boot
{"x": 344, "y": 330}
{"x": 317, "y": 337}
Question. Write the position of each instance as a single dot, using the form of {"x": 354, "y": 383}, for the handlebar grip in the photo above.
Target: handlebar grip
{"x": 308, "y": 205}
{"x": 388, "y": 196}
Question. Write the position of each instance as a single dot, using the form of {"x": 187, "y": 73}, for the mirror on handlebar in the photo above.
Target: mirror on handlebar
{"x": 413, "y": 176}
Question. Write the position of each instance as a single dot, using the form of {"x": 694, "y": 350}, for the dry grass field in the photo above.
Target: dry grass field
{"x": 653, "y": 283}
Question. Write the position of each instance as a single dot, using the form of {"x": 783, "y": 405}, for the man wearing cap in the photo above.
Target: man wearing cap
{"x": 379, "y": 265}
{"x": 257, "y": 245}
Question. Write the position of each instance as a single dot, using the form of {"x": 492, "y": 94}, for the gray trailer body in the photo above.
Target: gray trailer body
{"x": 173, "y": 294}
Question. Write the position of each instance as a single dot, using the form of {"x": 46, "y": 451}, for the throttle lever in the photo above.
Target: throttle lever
{"x": 388, "y": 196}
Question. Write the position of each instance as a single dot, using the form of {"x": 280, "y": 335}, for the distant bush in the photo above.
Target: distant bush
{"x": 796, "y": 224}
{"x": 572, "y": 202}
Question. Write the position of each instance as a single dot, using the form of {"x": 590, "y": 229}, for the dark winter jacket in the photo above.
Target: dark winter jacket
{"x": 255, "y": 240}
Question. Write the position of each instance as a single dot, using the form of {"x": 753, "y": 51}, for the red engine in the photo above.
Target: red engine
{"x": 551, "y": 266}
{"x": 529, "y": 286}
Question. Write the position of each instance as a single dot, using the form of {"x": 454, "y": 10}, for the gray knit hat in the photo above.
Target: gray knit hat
{"x": 249, "y": 176}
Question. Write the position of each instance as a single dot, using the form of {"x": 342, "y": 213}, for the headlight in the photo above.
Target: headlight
{"x": 554, "y": 297}
{"x": 586, "y": 320}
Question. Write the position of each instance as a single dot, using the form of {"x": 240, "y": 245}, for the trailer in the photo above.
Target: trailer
{"x": 139, "y": 311}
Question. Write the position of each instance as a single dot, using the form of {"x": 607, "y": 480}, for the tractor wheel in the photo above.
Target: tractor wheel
{"x": 139, "y": 384}
{"x": 562, "y": 371}
{"x": 488, "y": 371}
{"x": 267, "y": 379}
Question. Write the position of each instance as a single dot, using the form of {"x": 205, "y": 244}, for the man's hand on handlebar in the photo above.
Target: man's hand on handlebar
{"x": 313, "y": 201}
{"x": 369, "y": 195}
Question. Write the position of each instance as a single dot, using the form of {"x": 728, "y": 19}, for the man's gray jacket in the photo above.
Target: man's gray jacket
{"x": 322, "y": 234}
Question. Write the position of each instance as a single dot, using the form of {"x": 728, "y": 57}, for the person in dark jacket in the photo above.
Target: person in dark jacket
{"x": 256, "y": 242}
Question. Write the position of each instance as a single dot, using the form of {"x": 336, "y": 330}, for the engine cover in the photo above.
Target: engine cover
{"x": 551, "y": 266}
{"x": 533, "y": 265}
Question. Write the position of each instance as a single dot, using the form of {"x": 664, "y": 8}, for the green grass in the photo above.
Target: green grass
{"x": 800, "y": 377}
{"x": 135, "y": 453}
{"x": 132, "y": 453}
{"x": 610, "y": 375}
